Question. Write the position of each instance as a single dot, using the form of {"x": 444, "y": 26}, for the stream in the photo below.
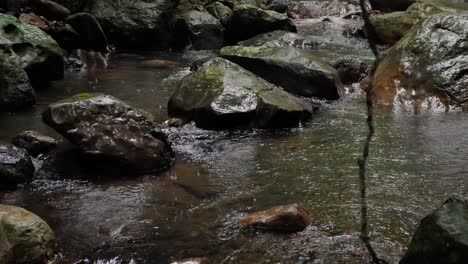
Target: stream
{"x": 418, "y": 159}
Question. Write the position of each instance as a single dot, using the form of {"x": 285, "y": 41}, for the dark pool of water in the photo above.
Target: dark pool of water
{"x": 191, "y": 210}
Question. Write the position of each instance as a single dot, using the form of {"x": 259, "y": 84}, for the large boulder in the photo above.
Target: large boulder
{"x": 248, "y": 21}
{"x": 90, "y": 33}
{"x": 351, "y": 65}
{"x": 391, "y": 27}
{"x": 199, "y": 29}
{"x": 24, "y": 237}
{"x": 15, "y": 90}
{"x": 297, "y": 71}
{"x": 16, "y": 166}
{"x": 286, "y": 218}
{"x": 223, "y": 95}
{"x": 135, "y": 23}
{"x": 37, "y": 53}
{"x": 442, "y": 237}
{"x": 109, "y": 129}
{"x": 429, "y": 66}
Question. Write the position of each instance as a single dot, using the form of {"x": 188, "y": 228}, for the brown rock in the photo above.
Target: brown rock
{"x": 286, "y": 218}
{"x": 34, "y": 20}
{"x": 191, "y": 261}
{"x": 175, "y": 122}
{"x": 34, "y": 142}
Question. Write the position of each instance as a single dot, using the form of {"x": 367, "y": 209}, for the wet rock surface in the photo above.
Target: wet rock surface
{"x": 442, "y": 237}
{"x": 135, "y": 24}
{"x": 428, "y": 67}
{"x": 37, "y": 53}
{"x": 26, "y": 238}
{"x": 111, "y": 130}
{"x": 16, "y": 91}
{"x": 16, "y": 166}
{"x": 34, "y": 142}
{"x": 224, "y": 95}
{"x": 391, "y": 27}
{"x": 248, "y": 21}
{"x": 286, "y": 218}
{"x": 199, "y": 30}
{"x": 295, "y": 70}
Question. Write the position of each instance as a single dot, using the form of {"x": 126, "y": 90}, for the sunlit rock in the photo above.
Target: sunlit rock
{"x": 224, "y": 95}
{"x": 393, "y": 26}
{"x": 111, "y": 130}
{"x": 429, "y": 66}
{"x": 286, "y": 218}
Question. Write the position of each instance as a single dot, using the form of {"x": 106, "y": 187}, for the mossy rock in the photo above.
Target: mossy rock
{"x": 35, "y": 51}
{"x": 24, "y": 237}
{"x": 223, "y": 95}
{"x": 15, "y": 90}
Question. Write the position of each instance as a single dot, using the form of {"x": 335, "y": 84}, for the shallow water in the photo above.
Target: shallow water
{"x": 191, "y": 210}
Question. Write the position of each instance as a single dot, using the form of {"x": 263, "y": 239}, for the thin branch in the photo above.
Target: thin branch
{"x": 362, "y": 162}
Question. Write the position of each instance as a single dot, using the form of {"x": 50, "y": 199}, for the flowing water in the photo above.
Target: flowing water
{"x": 418, "y": 159}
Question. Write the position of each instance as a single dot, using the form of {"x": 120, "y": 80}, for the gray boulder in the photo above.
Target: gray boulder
{"x": 297, "y": 71}
{"x": 248, "y": 21}
{"x": 135, "y": 23}
{"x": 108, "y": 129}
{"x": 223, "y": 95}
{"x": 442, "y": 237}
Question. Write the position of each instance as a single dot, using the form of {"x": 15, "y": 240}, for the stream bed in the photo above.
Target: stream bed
{"x": 418, "y": 159}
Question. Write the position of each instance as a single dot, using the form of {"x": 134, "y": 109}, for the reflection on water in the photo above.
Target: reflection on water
{"x": 192, "y": 209}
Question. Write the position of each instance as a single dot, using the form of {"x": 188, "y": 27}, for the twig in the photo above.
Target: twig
{"x": 371, "y": 36}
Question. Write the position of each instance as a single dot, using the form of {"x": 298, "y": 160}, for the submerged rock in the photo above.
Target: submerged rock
{"x": 429, "y": 66}
{"x": 37, "y": 53}
{"x": 25, "y": 237}
{"x": 224, "y": 95}
{"x": 73, "y": 5}
{"x": 199, "y": 30}
{"x": 109, "y": 129}
{"x": 15, "y": 90}
{"x": 135, "y": 23}
{"x": 248, "y": 21}
{"x": 442, "y": 237}
{"x": 286, "y": 218}
{"x": 297, "y": 71}
{"x": 34, "y": 142}
{"x": 90, "y": 32}
{"x": 280, "y": 6}
{"x": 16, "y": 166}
